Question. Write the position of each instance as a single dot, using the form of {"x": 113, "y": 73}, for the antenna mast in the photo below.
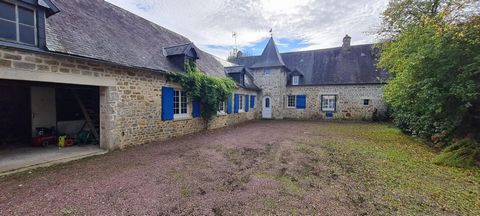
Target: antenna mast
{"x": 235, "y": 49}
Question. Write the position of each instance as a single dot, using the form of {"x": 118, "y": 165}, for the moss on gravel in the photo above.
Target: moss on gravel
{"x": 398, "y": 172}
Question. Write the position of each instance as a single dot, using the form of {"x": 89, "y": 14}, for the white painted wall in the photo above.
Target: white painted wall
{"x": 44, "y": 113}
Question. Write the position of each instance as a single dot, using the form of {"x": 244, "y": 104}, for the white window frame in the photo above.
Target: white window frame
{"x": 18, "y": 24}
{"x": 294, "y": 97}
{"x": 295, "y": 80}
{"x": 328, "y": 103}
{"x": 221, "y": 108}
{"x": 241, "y": 103}
{"x": 181, "y": 95}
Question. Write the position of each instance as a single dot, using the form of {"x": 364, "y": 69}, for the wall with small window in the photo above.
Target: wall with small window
{"x": 357, "y": 102}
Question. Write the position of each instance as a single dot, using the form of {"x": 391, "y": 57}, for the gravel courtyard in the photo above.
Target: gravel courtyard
{"x": 257, "y": 168}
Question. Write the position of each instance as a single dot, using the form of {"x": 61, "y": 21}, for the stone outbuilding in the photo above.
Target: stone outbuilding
{"x": 73, "y": 66}
{"x": 115, "y": 62}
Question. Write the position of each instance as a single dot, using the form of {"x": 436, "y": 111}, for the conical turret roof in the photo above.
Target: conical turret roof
{"x": 270, "y": 56}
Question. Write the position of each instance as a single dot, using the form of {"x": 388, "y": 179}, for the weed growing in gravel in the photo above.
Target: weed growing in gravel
{"x": 398, "y": 172}
{"x": 67, "y": 211}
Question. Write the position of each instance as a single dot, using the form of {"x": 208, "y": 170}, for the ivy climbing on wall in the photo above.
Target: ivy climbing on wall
{"x": 209, "y": 90}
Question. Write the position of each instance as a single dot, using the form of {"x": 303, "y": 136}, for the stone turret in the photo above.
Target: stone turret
{"x": 270, "y": 74}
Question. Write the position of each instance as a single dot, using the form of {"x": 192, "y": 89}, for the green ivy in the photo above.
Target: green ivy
{"x": 210, "y": 90}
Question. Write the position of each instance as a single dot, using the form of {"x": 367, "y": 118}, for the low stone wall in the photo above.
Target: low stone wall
{"x": 130, "y": 99}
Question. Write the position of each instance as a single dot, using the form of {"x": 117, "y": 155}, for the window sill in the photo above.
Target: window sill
{"x": 291, "y": 107}
{"x": 328, "y": 110}
{"x": 241, "y": 111}
{"x": 181, "y": 117}
{"x": 21, "y": 46}
{"x": 221, "y": 113}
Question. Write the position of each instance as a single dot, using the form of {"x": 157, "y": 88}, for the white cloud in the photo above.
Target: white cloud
{"x": 210, "y": 23}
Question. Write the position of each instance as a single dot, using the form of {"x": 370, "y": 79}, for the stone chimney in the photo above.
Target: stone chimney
{"x": 239, "y": 54}
{"x": 346, "y": 43}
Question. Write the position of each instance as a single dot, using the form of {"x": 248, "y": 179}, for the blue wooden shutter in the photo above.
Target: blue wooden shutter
{"x": 321, "y": 103}
{"x": 235, "y": 103}
{"x": 229, "y": 105}
{"x": 196, "y": 104}
{"x": 252, "y": 101}
{"x": 247, "y": 103}
{"x": 335, "y": 104}
{"x": 167, "y": 103}
{"x": 301, "y": 101}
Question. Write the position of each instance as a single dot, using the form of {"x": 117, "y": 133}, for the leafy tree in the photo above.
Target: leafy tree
{"x": 434, "y": 63}
{"x": 403, "y": 14}
{"x": 210, "y": 90}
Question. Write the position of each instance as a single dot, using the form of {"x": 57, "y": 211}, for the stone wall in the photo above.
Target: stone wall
{"x": 273, "y": 84}
{"x": 349, "y": 98}
{"x": 349, "y": 101}
{"x": 130, "y": 101}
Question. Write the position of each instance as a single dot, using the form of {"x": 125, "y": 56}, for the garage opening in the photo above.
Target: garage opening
{"x": 45, "y": 122}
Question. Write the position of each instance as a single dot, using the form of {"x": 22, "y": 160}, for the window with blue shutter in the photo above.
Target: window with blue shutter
{"x": 229, "y": 105}
{"x": 252, "y": 101}
{"x": 301, "y": 101}
{"x": 167, "y": 103}
{"x": 247, "y": 103}
{"x": 235, "y": 103}
{"x": 196, "y": 104}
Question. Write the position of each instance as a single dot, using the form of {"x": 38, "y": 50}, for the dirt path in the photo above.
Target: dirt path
{"x": 254, "y": 168}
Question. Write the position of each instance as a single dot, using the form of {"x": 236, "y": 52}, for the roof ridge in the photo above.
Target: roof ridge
{"x": 178, "y": 45}
{"x": 313, "y": 50}
{"x": 324, "y": 49}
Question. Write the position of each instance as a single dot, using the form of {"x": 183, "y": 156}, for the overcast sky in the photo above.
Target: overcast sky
{"x": 297, "y": 25}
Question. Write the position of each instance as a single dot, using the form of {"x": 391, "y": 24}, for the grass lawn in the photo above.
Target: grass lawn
{"x": 393, "y": 173}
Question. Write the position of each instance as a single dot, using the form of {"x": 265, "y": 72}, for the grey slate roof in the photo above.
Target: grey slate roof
{"x": 99, "y": 30}
{"x": 51, "y": 8}
{"x": 183, "y": 49}
{"x": 331, "y": 66}
{"x": 235, "y": 71}
{"x": 296, "y": 72}
{"x": 270, "y": 57}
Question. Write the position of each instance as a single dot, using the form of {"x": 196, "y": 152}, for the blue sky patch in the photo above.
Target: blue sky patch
{"x": 283, "y": 44}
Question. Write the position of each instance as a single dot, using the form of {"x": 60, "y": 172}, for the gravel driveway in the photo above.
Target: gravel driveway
{"x": 261, "y": 167}
{"x": 236, "y": 170}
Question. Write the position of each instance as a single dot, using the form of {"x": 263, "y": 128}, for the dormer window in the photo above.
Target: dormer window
{"x": 295, "y": 80}
{"x": 18, "y": 23}
{"x": 182, "y": 55}
{"x": 22, "y": 23}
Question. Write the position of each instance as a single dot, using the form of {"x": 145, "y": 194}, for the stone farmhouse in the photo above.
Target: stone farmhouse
{"x": 73, "y": 65}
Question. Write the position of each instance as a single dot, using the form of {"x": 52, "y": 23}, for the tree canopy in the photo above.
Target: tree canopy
{"x": 403, "y": 14}
{"x": 432, "y": 53}
{"x": 434, "y": 63}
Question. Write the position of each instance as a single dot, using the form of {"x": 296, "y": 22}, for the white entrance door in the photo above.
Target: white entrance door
{"x": 267, "y": 108}
{"x": 43, "y": 108}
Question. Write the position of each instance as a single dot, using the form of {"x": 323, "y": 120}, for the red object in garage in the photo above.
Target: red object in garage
{"x": 44, "y": 140}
